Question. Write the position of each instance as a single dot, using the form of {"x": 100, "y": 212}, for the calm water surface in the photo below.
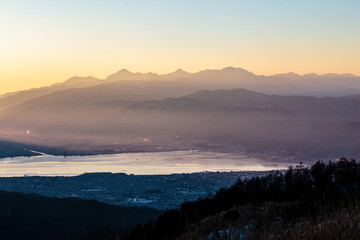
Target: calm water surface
{"x": 135, "y": 163}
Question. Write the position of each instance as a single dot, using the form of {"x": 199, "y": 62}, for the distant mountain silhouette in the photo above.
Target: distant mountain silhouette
{"x": 13, "y": 99}
{"x": 178, "y": 74}
{"x": 234, "y": 99}
{"x": 180, "y": 83}
{"x": 80, "y": 81}
{"x": 125, "y": 75}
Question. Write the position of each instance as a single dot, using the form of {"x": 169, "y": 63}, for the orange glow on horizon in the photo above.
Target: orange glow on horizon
{"x": 47, "y": 42}
{"x": 39, "y": 77}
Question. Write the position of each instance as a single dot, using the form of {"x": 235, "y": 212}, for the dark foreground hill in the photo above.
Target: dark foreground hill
{"x": 320, "y": 202}
{"x": 30, "y": 216}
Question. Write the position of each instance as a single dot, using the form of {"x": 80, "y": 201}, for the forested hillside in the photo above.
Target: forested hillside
{"x": 303, "y": 199}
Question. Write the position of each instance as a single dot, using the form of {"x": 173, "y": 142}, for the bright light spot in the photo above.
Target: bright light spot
{"x": 27, "y": 131}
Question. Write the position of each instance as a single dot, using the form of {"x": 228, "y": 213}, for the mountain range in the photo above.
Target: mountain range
{"x": 126, "y": 85}
{"x": 286, "y": 116}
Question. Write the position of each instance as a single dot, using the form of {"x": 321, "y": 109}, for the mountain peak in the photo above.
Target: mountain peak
{"x": 124, "y": 70}
{"x": 233, "y": 69}
{"x": 289, "y": 75}
{"x": 179, "y": 73}
{"x": 125, "y": 75}
{"x": 179, "y": 70}
{"x": 313, "y": 75}
{"x": 81, "y": 80}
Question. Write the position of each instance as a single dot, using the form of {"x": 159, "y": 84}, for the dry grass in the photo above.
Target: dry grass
{"x": 340, "y": 225}
{"x": 318, "y": 203}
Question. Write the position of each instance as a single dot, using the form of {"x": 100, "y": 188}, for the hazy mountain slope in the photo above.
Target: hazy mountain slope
{"x": 321, "y": 85}
{"x": 272, "y": 125}
{"x": 13, "y": 99}
{"x": 241, "y": 98}
{"x": 117, "y": 88}
{"x": 281, "y": 84}
{"x": 222, "y": 120}
{"x": 180, "y": 83}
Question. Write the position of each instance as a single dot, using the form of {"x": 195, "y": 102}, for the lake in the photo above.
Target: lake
{"x": 148, "y": 163}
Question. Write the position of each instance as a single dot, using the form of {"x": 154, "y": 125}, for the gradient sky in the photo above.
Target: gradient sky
{"x": 48, "y": 41}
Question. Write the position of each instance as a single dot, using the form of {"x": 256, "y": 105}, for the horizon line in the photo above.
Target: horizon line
{"x": 186, "y": 72}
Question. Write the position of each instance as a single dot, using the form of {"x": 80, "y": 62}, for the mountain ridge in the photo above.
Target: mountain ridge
{"x": 210, "y": 79}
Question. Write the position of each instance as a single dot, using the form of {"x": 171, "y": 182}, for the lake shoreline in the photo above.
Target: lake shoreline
{"x": 139, "y": 163}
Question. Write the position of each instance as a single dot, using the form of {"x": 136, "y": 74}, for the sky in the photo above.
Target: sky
{"x": 47, "y": 41}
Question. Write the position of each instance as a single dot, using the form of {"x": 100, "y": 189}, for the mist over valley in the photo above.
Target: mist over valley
{"x": 284, "y": 117}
